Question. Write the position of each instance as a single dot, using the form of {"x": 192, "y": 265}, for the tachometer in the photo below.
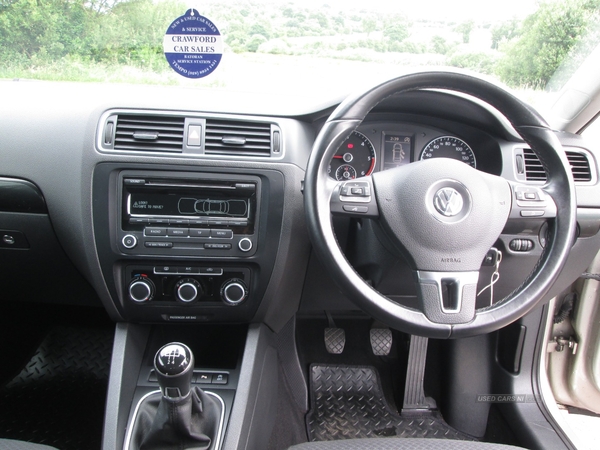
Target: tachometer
{"x": 355, "y": 158}
{"x": 450, "y": 147}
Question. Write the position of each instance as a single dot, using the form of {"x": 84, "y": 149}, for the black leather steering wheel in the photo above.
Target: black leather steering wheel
{"x": 424, "y": 208}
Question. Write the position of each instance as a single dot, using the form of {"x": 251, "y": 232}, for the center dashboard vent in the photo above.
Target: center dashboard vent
{"x": 227, "y": 137}
{"x": 149, "y": 133}
{"x": 580, "y": 166}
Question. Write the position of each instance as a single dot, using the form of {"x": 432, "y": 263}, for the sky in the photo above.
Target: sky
{"x": 455, "y": 10}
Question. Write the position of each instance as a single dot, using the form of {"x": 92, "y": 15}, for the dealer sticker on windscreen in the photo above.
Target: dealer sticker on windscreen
{"x": 193, "y": 45}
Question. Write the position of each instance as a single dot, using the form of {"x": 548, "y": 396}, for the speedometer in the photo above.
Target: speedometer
{"x": 355, "y": 158}
{"x": 450, "y": 147}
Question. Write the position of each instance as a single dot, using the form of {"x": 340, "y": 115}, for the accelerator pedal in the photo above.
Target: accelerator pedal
{"x": 414, "y": 394}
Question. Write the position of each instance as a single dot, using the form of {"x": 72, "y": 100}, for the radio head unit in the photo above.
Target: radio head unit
{"x": 184, "y": 214}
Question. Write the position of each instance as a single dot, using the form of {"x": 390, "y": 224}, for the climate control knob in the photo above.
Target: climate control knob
{"x": 141, "y": 289}
{"x": 188, "y": 290}
{"x": 234, "y": 292}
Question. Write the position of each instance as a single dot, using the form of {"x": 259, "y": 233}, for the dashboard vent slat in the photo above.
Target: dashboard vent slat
{"x": 154, "y": 133}
{"x": 580, "y": 166}
{"x": 226, "y": 137}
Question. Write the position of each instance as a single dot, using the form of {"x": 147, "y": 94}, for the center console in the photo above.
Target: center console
{"x": 188, "y": 245}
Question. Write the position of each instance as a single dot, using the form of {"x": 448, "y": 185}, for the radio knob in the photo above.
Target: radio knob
{"x": 245, "y": 244}
{"x": 187, "y": 290}
{"x": 129, "y": 241}
{"x": 234, "y": 292}
{"x": 141, "y": 289}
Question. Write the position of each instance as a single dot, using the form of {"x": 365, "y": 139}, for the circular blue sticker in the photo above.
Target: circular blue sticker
{"x": 193, "y": 45}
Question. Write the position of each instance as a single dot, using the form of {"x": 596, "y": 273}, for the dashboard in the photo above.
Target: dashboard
{"x": 204, "y": 222}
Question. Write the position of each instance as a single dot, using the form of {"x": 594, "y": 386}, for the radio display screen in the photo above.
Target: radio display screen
{"x": 154, "y": 204}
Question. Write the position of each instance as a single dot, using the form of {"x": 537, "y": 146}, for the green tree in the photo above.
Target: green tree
{"x": 504, "y": 31}
{"x": 369, "y": 25}
{"x": 439, "y": 45}
{"x": 396, "y": 32}
{"x": 547, "y": 36}
{"x": 465, "y": 29}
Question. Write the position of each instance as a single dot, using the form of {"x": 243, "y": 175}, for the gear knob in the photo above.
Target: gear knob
{"x": 174, "y": 365}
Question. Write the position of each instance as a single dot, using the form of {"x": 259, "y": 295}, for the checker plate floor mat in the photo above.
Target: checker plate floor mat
{"x": 58, "y": 398}
{"x": 347, "y": 402}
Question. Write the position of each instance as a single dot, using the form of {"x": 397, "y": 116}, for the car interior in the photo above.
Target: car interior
{"x": 411, "y": 266}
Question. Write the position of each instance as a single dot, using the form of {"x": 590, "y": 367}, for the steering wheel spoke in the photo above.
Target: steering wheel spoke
{"x": 448, "y": 297}
{"x": 531, "y": 202}
{"x": 355, "y": 198}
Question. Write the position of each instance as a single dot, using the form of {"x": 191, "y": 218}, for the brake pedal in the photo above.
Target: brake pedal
{"x": 381, "y": 341}
{"x": 335, "y": 340}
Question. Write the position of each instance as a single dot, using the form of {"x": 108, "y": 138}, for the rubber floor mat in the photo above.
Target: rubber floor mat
{"x": 347, "y": 402}
{"x": 58, "y": 398}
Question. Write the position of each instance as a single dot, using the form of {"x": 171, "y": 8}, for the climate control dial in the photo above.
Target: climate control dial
{"x": 188, "y": 290}
{"x": 234, "y": 292}
{"x": 141, "y": 289}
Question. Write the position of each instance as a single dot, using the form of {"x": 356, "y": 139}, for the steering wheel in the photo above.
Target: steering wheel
{"x": 442, "y": 215}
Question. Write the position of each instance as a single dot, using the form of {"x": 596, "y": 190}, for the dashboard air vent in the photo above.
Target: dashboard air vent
{"x": 149, "y": 133}
{"x": 226, "y": 137}
{"x": 580, "y": 166}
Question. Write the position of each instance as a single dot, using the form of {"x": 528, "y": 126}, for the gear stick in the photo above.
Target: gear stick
{"x": 174, "y": 366}
{"x": 181, "y": 415}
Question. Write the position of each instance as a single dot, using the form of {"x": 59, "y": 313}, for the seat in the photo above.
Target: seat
{"x": 9, "y": 444}
{"x": 401, "y": 444}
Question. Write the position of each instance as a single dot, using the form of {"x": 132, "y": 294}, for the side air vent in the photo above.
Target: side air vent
{"x": 226, "y": 137}
{"x": 149, "y": 133}
{"x": 580, "y": 166}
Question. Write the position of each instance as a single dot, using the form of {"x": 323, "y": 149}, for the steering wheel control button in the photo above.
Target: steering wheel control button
{"x": 234, "y": 292}
{"x": 141, "y": 289}
{"x": 155, "y": 231}
{"x": 355, "y": 191}
{"x": 360, "y": 209}
{"x": 448, "y": 202}
{"x": 245, "y": 245}
{"x": 129, "y": 241}
{"x": 533, "y": 213}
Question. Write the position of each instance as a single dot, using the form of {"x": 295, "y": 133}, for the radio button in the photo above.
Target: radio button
{"x": 188, "y": 270}
{"x": 155, "y": 231}
{"x": 196, "y": 222}
{"x": 199, "y": 232}
{"x": 177, "y": 231}
{"x": 222, "y": 234}
{"x": 238, "y": 223}
{"x": 137, "y": 220}
{"x": 218, "y": 222}
{"x": 159, "y": 244}
{"x": 217, "y": 246}
{"x": 158, "y": 221}
{"x": 179, "y": 221}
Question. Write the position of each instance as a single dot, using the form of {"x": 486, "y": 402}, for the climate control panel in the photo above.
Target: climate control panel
{"x": 168, "y": 285}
